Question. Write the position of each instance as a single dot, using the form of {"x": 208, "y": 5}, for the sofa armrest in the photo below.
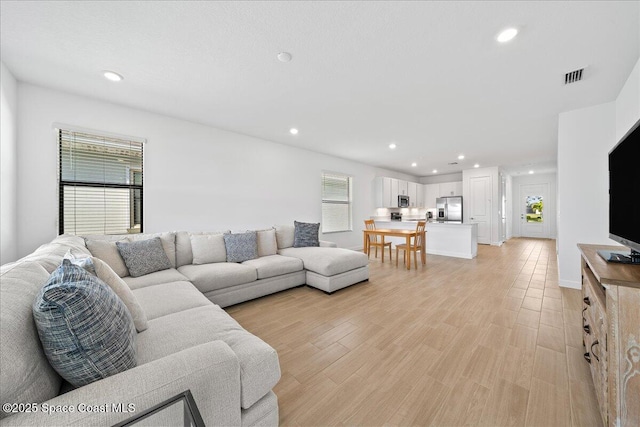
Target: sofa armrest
{"x": 325, "y": 244}
{"x": 211, "y": 371}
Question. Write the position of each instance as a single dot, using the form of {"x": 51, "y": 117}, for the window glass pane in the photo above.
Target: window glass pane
{"x": 534, "y": 209}
{"x": 94, "y": 210}
{"x": 336, "y": 217}
{"x": 336, "y": 203}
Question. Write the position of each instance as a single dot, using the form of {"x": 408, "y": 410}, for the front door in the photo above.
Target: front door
{"x": 532, "y": 210}
{"x": 480, "y": 206}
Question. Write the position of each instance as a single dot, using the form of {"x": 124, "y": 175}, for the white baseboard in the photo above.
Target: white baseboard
{"x": 451, "y": 254}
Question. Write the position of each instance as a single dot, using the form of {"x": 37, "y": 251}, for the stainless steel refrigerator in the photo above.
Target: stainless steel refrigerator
{"x": 449, "y": 209}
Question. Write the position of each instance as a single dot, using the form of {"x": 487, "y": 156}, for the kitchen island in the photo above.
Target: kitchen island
{"x": 459, "y": 240}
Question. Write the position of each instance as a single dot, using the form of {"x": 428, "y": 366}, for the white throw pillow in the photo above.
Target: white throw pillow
{"x": 284, "y": 236}
{"x": 208, "y": 248}
{"x": 108, "y": 252}
{"x": 267, "y": 242}
{"x": 120, "y": 287}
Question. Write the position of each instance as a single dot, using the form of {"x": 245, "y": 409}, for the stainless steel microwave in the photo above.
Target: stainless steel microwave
{"x": 403, "y": 201}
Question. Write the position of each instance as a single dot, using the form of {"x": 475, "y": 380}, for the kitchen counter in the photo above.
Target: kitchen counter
{"x": 458, "y": 240}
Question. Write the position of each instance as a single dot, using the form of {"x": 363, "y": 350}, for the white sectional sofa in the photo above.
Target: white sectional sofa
{"x": 190, "y": 342}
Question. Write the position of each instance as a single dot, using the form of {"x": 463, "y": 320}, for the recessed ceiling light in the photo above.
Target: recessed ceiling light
{"x": 461, "y": 156}
{"x": 476, "y": 165}
{"x": 435, "y": 171}
{"x": 284, "y": 57}
{"x": 112, "y": 75}
{"x": 392, "y": 146}
{"x": 507, "y": 35}
{"x": 414, "y": 164}
{"x": 530, "y": 172}
{"x": 293, "y": 131}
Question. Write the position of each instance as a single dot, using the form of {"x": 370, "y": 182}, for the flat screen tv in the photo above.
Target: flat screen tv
{"x": 624, "y": 197}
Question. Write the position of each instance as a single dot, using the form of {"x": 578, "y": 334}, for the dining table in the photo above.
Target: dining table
{"x": 407, "y": 234}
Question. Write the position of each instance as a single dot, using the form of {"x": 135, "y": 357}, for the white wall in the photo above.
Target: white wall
{"x": 509, "y": 213}
{"x": 196, "y": 177}
{"x": 585, "y": 138}
{"x": 549, "y": 204}
{"x": 8, "y": 161}
{"x": 437, "y": 179}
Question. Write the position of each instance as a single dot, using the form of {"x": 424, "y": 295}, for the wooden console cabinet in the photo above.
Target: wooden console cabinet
{"x": 611, "y": 335}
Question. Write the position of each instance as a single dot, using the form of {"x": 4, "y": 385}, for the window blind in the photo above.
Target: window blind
{"x": 100, "y": 184}
{"x": 336, "y": 202}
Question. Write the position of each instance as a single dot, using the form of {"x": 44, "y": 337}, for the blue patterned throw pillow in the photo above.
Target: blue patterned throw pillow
{"x": 241, "y": 246}
{"x": 144, "y": 256}
{"x": 305, "y": 234}
{"x": 86, "y": 331}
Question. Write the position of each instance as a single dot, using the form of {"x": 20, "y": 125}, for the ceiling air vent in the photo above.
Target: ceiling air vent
{"x": 453, "y": 163}
{"x": 573, "y": 76}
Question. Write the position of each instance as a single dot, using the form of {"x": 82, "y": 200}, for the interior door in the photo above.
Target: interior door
{"x": 480, "y": 206}
{"x": 532, "y": 220}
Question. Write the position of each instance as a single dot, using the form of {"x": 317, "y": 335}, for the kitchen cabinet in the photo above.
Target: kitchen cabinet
{"x": 387, "y": 190}
{"x": 431, "y": 193}
{"x": 383, "y": 190}
{"x": 444, "y": 189}
{"x": 448, "y": 189}
{"x": 420, "y": 196}
{"x": 412, "y": 192}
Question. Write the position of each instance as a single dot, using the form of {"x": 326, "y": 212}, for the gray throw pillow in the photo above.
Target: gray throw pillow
{"x": 86, "y": 331}
{"x": 144, "y": 256}
{"x": 305, "y": 234}
{"x": 241, "y": 246}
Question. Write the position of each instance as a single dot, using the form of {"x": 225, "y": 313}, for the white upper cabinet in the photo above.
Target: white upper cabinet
{"x": 384, "y": 194}
{"x": 444, "y": 189}
{"x": 412, "y": 192}
{"x": 448, "y": 189}
{"x": 431, "y": 193}
{"x": 387, "y": 191}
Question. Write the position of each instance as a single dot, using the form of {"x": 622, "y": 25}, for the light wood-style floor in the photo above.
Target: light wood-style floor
{"x": 491, "y": 341}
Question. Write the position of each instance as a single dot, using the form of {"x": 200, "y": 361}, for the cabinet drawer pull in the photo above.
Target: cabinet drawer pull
{"x": 587, "y": 329}
{"x": 587, "y": 357}
{"x": 596, "y": 342}
{"x": 586, "y": 300}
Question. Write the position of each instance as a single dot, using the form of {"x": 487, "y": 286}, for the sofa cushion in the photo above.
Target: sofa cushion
{"x": 86, "y": 331}
{"x": 211, "y": 277}
{"x": 241, "y": 246}
{"x": 163, "y": 276}
{"x": 168, "y": 298}
{"x": 305, "y": 234}
{"x": 267, "y": 244}
{"x": 184, "y": 254}
{"x": 274, "y": 265}
{"x": 284, "y": 236}
{"x": 208, "y": 248}
{"x": 119, "y": 286}
{"x": 50, "y": 255}
{"x": 259, "y": 366}
{"x": 327, "y": 261}
{"x": 108, "y": 252}
{"x": 25, "y": 373}
{"x": 144, "y": 256}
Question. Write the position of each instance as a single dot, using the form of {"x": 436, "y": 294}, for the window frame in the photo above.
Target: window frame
{"x": 58, "y": 128}
{"x": 349, "y": 202}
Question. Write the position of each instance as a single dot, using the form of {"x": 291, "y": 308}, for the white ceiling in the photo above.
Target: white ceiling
{"x": 428, "y": 76}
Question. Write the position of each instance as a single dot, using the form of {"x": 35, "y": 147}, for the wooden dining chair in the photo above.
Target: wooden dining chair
{"x": 373, "y": 240}
{"x": 415, "y": 246}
